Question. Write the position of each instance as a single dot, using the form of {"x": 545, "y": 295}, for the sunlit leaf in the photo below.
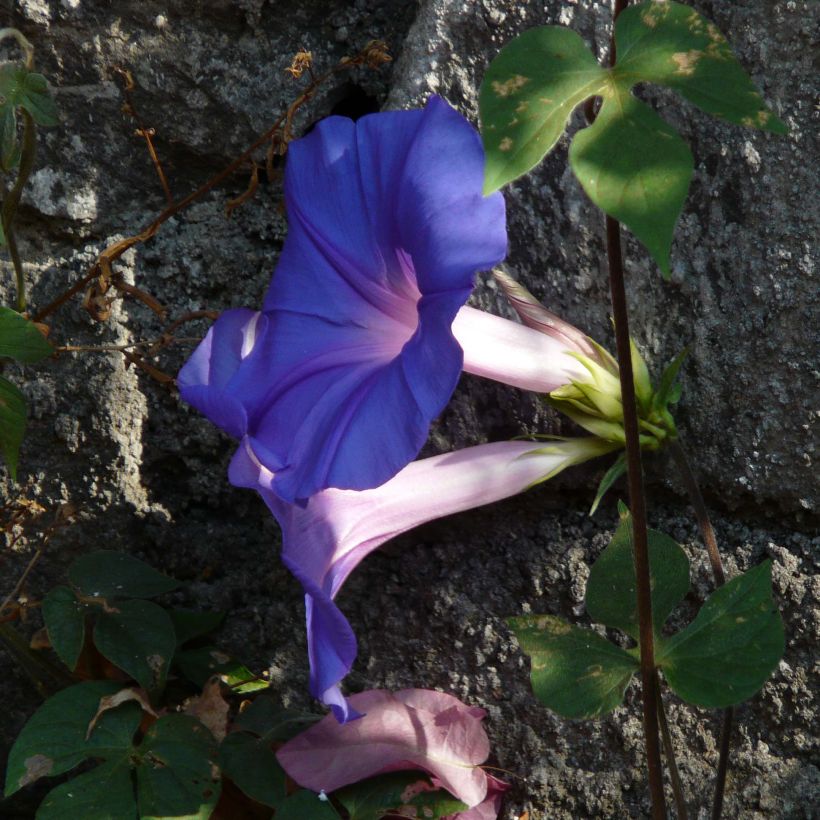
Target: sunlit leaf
{"x": 20, "y": 339}
{"x": 202, "y": 663}
{"x": 575, "y": 672}
{"x": 731, "y": 648}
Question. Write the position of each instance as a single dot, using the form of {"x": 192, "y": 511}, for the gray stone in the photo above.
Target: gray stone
{"x": 147, "y": 474}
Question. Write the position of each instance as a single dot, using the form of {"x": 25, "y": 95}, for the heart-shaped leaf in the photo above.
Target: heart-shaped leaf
{"x": 109, "y": 574}
{"x": 29, "y": 91}
{"x": 139, "y": 638}
{"x": 64, "y": 617}
{"x": 303, "y": 804}
{"x": 21, "y": 339}
{"x": 575, "y": 672}
{"x": 731, "y": 648}
{"x": 252, "y": 765}
{"x": 611, "y": 598}
{"x": 12, "y": 423}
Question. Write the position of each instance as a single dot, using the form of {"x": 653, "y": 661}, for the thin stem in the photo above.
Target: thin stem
{"x": 637, "y": 503}
{"x": 12, "y": 200}
{"x": 669, "y": 752}
{"x": 707, "y": 533}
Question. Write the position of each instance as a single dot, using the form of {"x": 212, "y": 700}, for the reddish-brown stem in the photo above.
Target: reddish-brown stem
{"x": 637, "y": 502}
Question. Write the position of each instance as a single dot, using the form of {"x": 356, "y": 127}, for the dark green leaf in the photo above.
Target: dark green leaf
{"x": 617, "y": 469}
{"x": 28, "y": 90}
{"x": 54, "y": 739}
{"x": 200, "y": 664}
{"x": 139, "y": 638}
{"x": 109, "y": 574}
{"x": 303, "y": 805}
{"x": 527, "y": 96}
{"x": 104, "y": 793}
{"x": 190, "y": 624}
{"x": 371, "y": 799}
{"x": 252, "y": 765}
{"x": 64, "y": 616}
{"x": 176, "y": 772}
{"x": 20, "y": 339}
{"x": 264, "y": 717}
{"x": 12, "y": 424}
{"x": 728, "y": 652}
{"x": 575, "y": 672}
{"x": 636, "y": 168}
{"x": 671, "y": 44}
{"x": 611, "y": 597}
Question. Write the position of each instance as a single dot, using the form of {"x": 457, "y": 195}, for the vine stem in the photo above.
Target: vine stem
{"x": 707, "y": 533}
{"x": 669, "y": 752}
{"x": 12, "y": 200}
{"x": 637, "y": 503}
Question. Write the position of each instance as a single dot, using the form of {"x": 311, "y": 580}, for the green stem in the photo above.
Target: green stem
{"x": 12, "y": 201}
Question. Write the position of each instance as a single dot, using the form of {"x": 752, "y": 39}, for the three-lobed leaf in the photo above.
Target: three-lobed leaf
{"x": 28, "y": 90}
{"x": 731, "y": 648}
{"x": 631, "y": 164}
{"x": 575, "y": 672}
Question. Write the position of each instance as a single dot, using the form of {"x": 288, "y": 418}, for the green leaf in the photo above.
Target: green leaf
{"x": 190, "y": 624}
{"x": 617, "y": 469}
{"x": 54, "y": 739}
{"x": 665, "y": 394}
{"x": 371, "y": 799}
{"x": 109, "y": 574}
{"x": 252, "y": 765}
{"x": 64, "y": 616}
{"x": 672, "y": 45}
{"x": 28, "y": 90}
{"x": 575, "y": 672}
{"x": 636, "y": 168}
{"x": 20, "y": 339}
{"x": 12, "y": 424}
{"x": 527, "y": 96}
{"x": 202, "y": 663}
{"x": 728, "y": 652}
{"x": 139, "y": 638}
{"x": 104, "y": 793}
{"x": 176, "y": 772}
{"x": 305, "y": 804}
{"x": 264, "y": 717}
{"x": 611, "y": 597}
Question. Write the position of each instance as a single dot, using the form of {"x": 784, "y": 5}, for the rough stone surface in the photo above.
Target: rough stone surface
{"x": 148, "y": 474}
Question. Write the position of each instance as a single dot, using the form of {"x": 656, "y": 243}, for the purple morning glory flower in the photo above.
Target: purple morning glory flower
{"x": 336, "y": 382}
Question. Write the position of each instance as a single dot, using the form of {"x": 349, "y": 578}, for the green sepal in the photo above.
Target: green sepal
{"x": 12, "y": 424}
{"x": 669, "y": 390}
{"x": 731, "y": 648}
{"x": 611, "y": 596}
{"x": 617, "y": 469}
{"x": 575, "y": 672}
{"x": 641, "y": 379}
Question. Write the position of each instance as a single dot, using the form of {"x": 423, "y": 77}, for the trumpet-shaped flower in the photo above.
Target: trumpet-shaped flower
{"x": 324, "y": 540}
{"x": 353, "y": 354}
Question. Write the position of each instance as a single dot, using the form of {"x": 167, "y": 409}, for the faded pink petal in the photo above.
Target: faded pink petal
{"x": 508, "y": 352}
{"x": 411, "y": 729}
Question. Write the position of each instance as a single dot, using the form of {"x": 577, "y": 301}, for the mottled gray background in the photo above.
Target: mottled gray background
{"x": 148, "y": 474}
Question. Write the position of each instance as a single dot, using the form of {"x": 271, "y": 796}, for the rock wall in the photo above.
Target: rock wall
{"x": 148, "y": 474}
